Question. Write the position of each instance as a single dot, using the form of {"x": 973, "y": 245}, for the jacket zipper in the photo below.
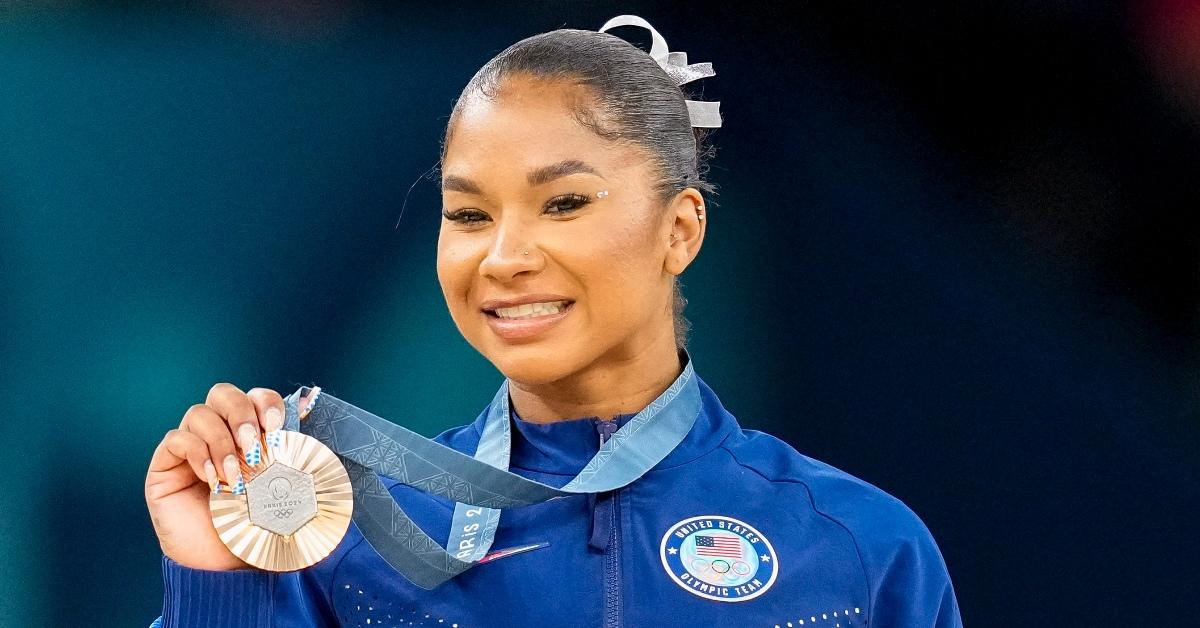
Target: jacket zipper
{"x": 612, "y": 568}
{"x": 612, "y": 555}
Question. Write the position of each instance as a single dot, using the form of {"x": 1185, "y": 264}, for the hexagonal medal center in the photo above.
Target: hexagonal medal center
{"x": 281, "y": 499}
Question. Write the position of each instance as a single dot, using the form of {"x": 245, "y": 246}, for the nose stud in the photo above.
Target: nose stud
{"x": 525, "y": 252}
{"x": 601, "y": 193}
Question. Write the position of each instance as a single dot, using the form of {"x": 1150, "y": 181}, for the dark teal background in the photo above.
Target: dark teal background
{"x": 953, "y": 253}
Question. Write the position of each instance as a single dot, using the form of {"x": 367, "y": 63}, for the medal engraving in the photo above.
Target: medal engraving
{"x": 295, "y": 509}
{"x": 281, "y": 499}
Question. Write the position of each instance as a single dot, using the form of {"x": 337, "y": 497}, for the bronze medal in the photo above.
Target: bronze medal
{"x": 293, "y": 509}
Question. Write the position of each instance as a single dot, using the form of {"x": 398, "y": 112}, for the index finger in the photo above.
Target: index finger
{"x": 269, "y": 406}
{"x": 238, "y": 411}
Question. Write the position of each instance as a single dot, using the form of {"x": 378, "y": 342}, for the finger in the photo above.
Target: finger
{"x": 180, "y": 446}
{"x": 269, "y": 405}
{"x": 306, "y": 399}
{"x": 233, "y": 404}
{"x": 204, "y": 422}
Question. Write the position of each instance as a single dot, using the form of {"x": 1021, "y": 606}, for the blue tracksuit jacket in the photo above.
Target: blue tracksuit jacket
{"x": 733, "y": 528}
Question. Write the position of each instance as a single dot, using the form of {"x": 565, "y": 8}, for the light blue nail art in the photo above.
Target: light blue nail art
{"x": 311, "y": 402}
{"x": 217, "y": 489}
{"x": 239, "y": 487}
{"x": 254, "y": 456}
{"x": 274, "y": 438}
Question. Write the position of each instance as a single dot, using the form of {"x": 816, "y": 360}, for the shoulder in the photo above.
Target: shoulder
{"x": 867, "y": 511}
{"x": 889, "y": 536}
{"x": 877, "y": 522}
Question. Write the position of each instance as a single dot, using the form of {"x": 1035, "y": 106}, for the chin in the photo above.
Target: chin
{"x": 532, "y": 365}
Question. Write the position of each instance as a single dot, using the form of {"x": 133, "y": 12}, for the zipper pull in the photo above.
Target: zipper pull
{"x": 602, "y": 503}
{"x": 606, "y": 430}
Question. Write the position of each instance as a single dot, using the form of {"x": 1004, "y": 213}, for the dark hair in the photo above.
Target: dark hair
{"x": 628, "y": 99}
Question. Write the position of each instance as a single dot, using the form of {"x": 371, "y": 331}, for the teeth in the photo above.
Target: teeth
{"x": 529, "y": 310}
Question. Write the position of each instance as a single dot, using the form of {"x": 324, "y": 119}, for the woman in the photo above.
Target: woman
{"x": 572, "y": 201}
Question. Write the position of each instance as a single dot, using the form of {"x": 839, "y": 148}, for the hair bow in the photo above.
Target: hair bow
{"x": 702, "y": 113}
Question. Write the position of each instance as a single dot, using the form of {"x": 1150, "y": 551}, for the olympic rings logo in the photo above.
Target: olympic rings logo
{"x": 283, "y": 513}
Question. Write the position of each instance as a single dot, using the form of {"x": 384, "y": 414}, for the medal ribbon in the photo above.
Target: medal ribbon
{"x": 481, "y": 486}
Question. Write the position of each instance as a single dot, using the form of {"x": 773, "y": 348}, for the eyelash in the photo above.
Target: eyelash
{"x": 474, "y": 216}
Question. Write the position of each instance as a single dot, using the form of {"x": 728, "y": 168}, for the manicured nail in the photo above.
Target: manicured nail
{"x": 273, "y": 419}
{"x": 247, "y": 436}
{"x": 254, "y": 454}
{"x": 274, "y": 439}
{"x": 316, "y": 393}
{"x": 210, "y": 473}
{"x": 239, "y": 487}
{"x": 232, "y": 468}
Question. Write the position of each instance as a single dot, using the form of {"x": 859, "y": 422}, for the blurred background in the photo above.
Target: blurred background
{"x": 955, "y": 253}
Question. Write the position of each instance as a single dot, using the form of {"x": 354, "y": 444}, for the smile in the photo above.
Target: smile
{"x": 530, "y": 310}
{"x": 516, "y": 322}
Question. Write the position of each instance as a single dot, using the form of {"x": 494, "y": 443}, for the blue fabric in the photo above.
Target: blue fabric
{"x": 847, "y": 553}
{"x": 563, "y": 446}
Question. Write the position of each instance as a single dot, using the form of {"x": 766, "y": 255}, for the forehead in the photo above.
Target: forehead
{"x": 527, "y": 124}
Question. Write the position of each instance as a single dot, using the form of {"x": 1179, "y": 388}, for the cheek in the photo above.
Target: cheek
{"x": 456, "y": 266}
{"x": 621, "y": 268}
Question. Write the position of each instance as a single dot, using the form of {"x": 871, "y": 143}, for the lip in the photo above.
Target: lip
{"x": 517, "y": 329}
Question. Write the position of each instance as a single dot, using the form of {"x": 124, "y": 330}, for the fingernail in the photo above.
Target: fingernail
{"x": 273, "y": 420}
{"x": 274, "y": 439}
{"x": 232, "y": 469}
{"x": 210, "y": 473}
{"x": 254, "y": 454}
{"x": 239, "y": 487}
{"x": 247, "y": 436}
{"x": 316, "y": 392}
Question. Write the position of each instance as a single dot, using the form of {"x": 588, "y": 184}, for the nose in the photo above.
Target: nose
{"x": 512, "y": 252}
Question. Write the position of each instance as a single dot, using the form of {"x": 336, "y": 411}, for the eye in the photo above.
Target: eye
{"x": 566, "y": 203}
{"x": 465, "y": 216}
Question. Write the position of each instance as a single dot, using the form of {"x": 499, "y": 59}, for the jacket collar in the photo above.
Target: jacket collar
{"x": 565, "y": 447}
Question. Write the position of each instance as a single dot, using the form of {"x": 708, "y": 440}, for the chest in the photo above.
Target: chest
{"x": 678, "y": 549}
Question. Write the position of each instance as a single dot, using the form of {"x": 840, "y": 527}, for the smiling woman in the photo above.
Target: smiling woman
{"x": 524, "y": 224}
{"x": 573, "y": 198}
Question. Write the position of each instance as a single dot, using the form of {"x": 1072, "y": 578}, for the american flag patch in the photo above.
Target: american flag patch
{"x": 719, "y": 546}
{"x": 719, "y": 558}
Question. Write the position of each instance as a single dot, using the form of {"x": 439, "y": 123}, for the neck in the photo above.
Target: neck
{"x": 604, "y": 389}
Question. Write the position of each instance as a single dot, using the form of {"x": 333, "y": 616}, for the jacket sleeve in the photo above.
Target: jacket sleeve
{"x": 911, "y": 586}
{"x": 245, "y": 598}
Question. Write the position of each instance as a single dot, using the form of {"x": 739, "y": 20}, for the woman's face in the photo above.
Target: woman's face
{"x": 553, "y": 246}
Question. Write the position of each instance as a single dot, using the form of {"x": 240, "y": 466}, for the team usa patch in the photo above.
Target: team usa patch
{"x": 719, "y": 558}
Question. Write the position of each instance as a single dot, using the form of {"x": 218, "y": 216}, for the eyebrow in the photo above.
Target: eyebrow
{"x": 546, "y": 174}
{"x": 540, "y": 176}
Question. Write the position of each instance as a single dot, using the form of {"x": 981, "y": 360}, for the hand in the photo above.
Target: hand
{"x": 185, "y": 467}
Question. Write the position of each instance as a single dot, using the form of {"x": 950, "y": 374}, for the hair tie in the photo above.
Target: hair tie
{"x": 702, "y": 113}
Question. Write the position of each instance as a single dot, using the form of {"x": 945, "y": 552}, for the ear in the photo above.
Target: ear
{"x": 687, "y": 219}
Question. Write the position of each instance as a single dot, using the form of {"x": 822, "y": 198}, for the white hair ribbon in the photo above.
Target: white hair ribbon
{"x": 703, "y": 113}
